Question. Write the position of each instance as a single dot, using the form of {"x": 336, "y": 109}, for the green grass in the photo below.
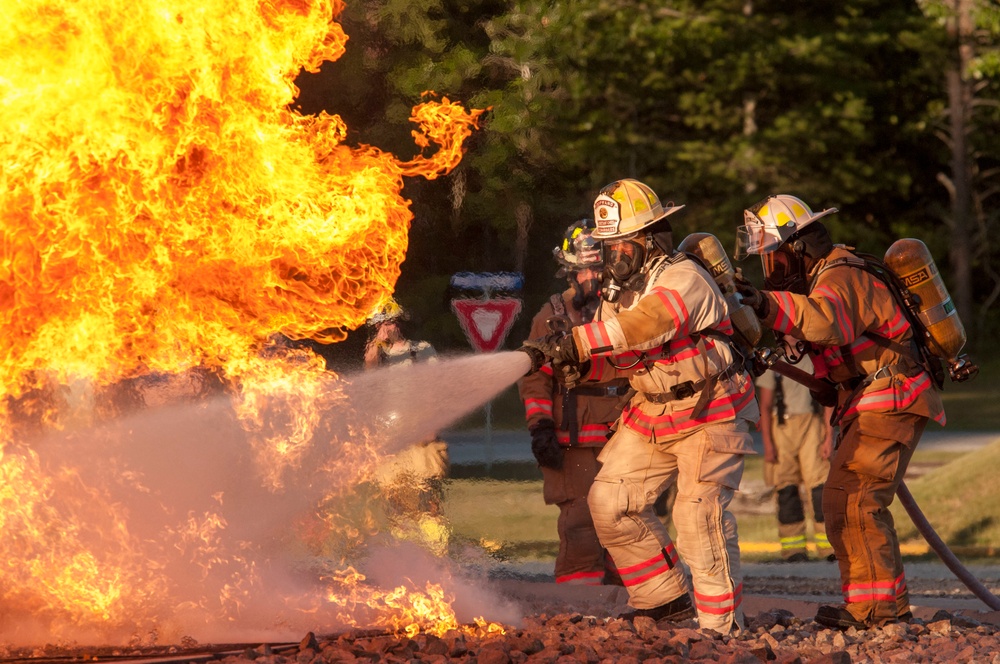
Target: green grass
{"x": 975, "y": 404}
{"x": 959, "y": 500}
{"x": 510, "y": 520}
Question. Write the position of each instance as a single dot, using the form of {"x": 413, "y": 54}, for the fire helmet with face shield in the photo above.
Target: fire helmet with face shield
{"x": 631, "y": 221}
{"x": 389, "y": 311}
{"x": 579, "y": 248}
{"x": 581, "y": 259}
{"x": 626, "y": 207}
{"x": 782, "y": 230}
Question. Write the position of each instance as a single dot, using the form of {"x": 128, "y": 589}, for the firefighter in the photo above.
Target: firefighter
{"x": 798, "y": 441}
{"x": 664, "y": 324}
{"x": 820, "y": 292}
{"x": 569, "y": 427}
{"x": 387, "y": 344}
{"x": 413, "y": 479}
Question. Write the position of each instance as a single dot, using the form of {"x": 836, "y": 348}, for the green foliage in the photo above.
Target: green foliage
{"x": 715, "y": 104}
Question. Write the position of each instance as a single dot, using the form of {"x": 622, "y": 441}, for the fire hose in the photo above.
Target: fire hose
{"x": 909, "y": 504}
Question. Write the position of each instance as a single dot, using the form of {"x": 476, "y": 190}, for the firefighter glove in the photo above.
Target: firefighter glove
{"x": 557, "y": 346}
{"x": 569, "y": 375}
{"x": 545, "y": 445}
{"x": 826, "y": 397}
{"x": 752, "y": 297}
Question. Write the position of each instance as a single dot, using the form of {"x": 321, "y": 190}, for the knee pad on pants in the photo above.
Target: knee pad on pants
{"x": 817, "y": 501}
{"x": 834, "y": 510}
{"x": 613, "y": 507}
{"x": 790, "y": 505}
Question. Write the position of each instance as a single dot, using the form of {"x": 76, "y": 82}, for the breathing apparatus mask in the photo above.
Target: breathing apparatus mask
{"x": 586, "y": 286}
{"x": 785, "y": 233}
{"x": 787, "y": 267}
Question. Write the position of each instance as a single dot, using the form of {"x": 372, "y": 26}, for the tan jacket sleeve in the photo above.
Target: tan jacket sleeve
{"x": 683, "y": 300}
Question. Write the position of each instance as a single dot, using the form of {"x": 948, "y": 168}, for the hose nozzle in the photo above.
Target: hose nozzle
{"x": 537, "y": 358}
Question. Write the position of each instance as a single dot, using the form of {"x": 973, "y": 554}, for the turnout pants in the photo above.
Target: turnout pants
{"x": 581, "y": 557}
{"x": 707, "y": 466}
{"x": 871, "y": 459}
{"x": 800, "y": 462}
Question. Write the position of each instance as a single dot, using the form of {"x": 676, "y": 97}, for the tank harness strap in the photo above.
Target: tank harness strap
{"x": 900, "y": 369}
{"x": 667, "y": 261}
{"x": 558, "y": 306}
{"x": 911, "y": 353}
{"x": 569, "y": 418}
{"x": 779, "y": 399}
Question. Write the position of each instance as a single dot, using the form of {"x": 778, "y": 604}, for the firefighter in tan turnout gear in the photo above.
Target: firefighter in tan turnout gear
{"x": 665, "y": 325}
{"x": 413, "y": 479}
{"x": 823, "y": 294}
{"x": 798, "y": 440}
{"x": 569, "y": 427}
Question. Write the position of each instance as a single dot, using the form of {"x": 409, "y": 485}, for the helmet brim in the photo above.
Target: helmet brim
{"x": 667, "y": 211}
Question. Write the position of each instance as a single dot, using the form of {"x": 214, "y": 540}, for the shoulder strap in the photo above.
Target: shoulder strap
{"x": 663, "y": 263}
{"x": 558, "y": 306}
{"x": 779, "y": 398}
{"x": 918, "y": 351}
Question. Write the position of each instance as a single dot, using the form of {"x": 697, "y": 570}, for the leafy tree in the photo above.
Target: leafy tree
{"x": 967, "y": 122}
{"x": 715, "y": 104}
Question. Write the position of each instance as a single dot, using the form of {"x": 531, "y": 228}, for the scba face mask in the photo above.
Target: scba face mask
{"x": 586, "y": 285}
{"x": 623, "y": 261}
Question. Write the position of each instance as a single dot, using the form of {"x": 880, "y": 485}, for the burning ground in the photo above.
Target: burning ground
{"x": 167, "y": 461}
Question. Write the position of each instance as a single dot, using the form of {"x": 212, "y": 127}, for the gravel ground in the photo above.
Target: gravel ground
{"x": 576, "y": 624}
{"x": 775, "y": 635}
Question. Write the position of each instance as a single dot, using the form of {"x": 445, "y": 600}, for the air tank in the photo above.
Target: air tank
{"x": 913, "y": 264}
{"x": 711, "y": 253}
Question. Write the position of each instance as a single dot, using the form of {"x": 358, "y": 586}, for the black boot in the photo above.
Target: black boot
{"x": 835, "y": 616}
{"x": 673, "y": 611}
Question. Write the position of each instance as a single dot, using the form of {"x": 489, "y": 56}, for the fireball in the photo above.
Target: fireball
{"x": 165, "y": 212}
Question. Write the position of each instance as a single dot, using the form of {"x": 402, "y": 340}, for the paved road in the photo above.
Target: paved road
{"x": 479, "y": 446}
{"x": 781, "y": 585}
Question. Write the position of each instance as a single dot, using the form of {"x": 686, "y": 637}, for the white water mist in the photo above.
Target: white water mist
{"x": 168, "y": 469}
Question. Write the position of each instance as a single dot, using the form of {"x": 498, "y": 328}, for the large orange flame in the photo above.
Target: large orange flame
{"x": 164, "y": 210}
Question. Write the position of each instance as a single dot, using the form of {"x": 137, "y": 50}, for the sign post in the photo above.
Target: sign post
{"x": 487, "y": 305}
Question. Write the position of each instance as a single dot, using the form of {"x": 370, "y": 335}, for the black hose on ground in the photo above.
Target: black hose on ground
{"x": 941, "y": 549}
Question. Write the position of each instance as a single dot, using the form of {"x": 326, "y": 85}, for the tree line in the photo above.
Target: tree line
{"x": 886, "y": 109}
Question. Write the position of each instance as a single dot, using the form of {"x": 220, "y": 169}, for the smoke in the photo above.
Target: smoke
{"x": 171, "y": 501}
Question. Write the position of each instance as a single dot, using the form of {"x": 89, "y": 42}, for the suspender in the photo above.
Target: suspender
{"x": 779, "y": 399}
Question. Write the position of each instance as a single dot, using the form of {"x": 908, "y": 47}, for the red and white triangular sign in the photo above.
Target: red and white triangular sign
{"x": 486, "y": 322}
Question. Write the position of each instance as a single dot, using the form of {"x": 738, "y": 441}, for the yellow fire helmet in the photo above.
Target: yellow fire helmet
{"x": 771, "y": 222}
{"x": 386, "y": 312}
{"x": 627, "y": 206}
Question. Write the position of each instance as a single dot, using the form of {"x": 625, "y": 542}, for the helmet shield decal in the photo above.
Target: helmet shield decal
{"x": 607, "y": 213}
